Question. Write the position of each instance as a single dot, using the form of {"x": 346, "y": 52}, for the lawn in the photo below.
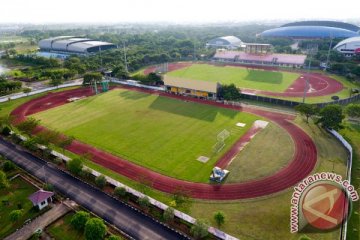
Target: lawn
{"x": 269, "y": 217}
{"x": 62, "y": 229}
{"x": 163, "y": 134}
{"x": 241, "y": 77}
{"x": 17, "y": 194}
{"x": 352, "y": 134}
{"x": 262, "y": 157}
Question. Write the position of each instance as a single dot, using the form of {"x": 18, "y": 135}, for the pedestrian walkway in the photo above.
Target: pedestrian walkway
{"x": 41, "y": 222}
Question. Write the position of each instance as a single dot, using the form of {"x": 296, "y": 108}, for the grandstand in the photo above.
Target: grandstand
{"x": 68, "y": 45}
{"x": 194, "y": 88}
{"x": 272, "y": 59}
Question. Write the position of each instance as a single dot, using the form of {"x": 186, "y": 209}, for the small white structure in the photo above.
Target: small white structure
{"x": 41, "y": 198}
{"x": 218, "y": 174}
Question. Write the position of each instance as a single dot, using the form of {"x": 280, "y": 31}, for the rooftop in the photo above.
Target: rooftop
{"x": 191, "y": 84}
{"x": 40, "y": 196}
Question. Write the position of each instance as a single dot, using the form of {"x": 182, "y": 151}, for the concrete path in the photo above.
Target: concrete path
{"x": 41, "y": 222}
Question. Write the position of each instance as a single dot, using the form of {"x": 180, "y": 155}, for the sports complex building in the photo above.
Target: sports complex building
{"x": 228, "y": 42}
{"x": 269, "y": 59}
{"x": 64, "y": 46}
{"x": 349, "y": 46}
{"x": 313, "y": 30}
{"x": 187, "y": 87}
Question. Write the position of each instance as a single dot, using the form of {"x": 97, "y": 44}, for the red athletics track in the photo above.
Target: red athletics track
{"x": 319, "y": 84}
{"x": 302, "y": 164}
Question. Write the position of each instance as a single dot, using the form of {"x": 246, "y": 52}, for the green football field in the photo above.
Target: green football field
{"x": 160, "y": 133}
{"x": 242, "y": 77}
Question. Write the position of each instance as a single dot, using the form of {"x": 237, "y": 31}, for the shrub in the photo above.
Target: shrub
{"x": 144, "y": 202}
{"x": 86, "y": 173}
{"x": 15, "y": 215}
{"x": 6, "y": 131}
{"x": 120, "y": 192}
{"x": 219, "y": 218}
{"x": 75, "y": 166}
{"x": 100, "y": 181}
{"x": 8, "y": 166}
{"x": 48, "y": 187}
{"x": 199, "y": 229}
{"x": 169, "y": 214}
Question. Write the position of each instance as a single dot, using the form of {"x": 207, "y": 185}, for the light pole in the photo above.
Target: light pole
{"x": 311, "y": 50}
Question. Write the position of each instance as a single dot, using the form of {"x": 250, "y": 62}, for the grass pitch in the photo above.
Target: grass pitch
{"x": 163, "y": 134}
{"x": 242, "y": 77}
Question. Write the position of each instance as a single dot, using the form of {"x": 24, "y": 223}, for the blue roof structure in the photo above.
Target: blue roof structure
{"x": 301, "y": 32}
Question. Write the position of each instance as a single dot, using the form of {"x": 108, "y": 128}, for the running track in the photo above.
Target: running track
{"x": 319, "y": 84}
{"x": 303, "y": 162}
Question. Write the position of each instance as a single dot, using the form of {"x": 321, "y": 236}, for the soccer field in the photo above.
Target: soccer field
{"x": 160, "y": 133}
{"x": 242, "y": 77}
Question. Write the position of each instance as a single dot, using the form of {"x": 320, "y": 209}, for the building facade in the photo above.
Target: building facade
{"x": 193, "y": 88}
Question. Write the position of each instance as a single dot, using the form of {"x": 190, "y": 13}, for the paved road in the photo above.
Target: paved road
{"x": 39, "y": 223}
{"x": 123, "y": 217}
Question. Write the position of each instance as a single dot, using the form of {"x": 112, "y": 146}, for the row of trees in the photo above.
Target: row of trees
{"x": 7, "y": 86}
{"x": 331, "y": 116}
{"x": 92, "y": 228}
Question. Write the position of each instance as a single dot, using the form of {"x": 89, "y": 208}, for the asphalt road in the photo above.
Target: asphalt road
{"x": 123, "y": 217}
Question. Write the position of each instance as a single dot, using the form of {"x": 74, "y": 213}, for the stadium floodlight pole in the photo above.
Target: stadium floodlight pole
{"x": 328, "y": 55}
{"x": 307, "y": 77}
{"x": 125, "y": 59}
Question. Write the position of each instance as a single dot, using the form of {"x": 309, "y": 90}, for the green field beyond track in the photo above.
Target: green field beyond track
{"x": 242, "y": 77}
{"x": 160, "y": 133}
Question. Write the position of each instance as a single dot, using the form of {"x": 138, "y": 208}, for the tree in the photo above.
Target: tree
{"x": 230, "y": 92}
{"x": 92, "y": 77}
{"x": 199, "y": 229}
{"x": 144, "y": 202}
{"x": 120, "y": 192}
{"x": 306, "y": 110}
{"x": 331, "y": 117}
{"x": 100, "y": 181}
{"x": 28, "y": 126}
{"x": 169, "y": 214}
{"x": 8, "y": 166}
{"x": 75, "y": 165}
{"x": 15, "y": 215}
{"x": 65, "y": 142}
{"x": 353, "y": 110}
{"x": 95, "y": 229}
{"x": 4, "y": 182}
{"x": 79, "y": 219}
{"x": 219, "y": 218}
{"x": 26, "y": 91}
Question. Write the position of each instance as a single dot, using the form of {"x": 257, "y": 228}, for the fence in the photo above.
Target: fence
{"x": 348, "y": 171}
{"x": 289, "y": 103}
{"x": 21, "y": 95}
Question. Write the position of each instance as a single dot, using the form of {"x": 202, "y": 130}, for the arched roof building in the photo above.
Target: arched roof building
{"x": 349, "y": 46}
{"x": 73, "y": 45}
{"x": 313, "y": 29}
{"x": 229, "y": 42}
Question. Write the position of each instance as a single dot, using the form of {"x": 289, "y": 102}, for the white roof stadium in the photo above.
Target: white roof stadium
{"x": 73, "y": 45}
{"x": 230, "y": 42}
{"x": 349, "y": 46}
